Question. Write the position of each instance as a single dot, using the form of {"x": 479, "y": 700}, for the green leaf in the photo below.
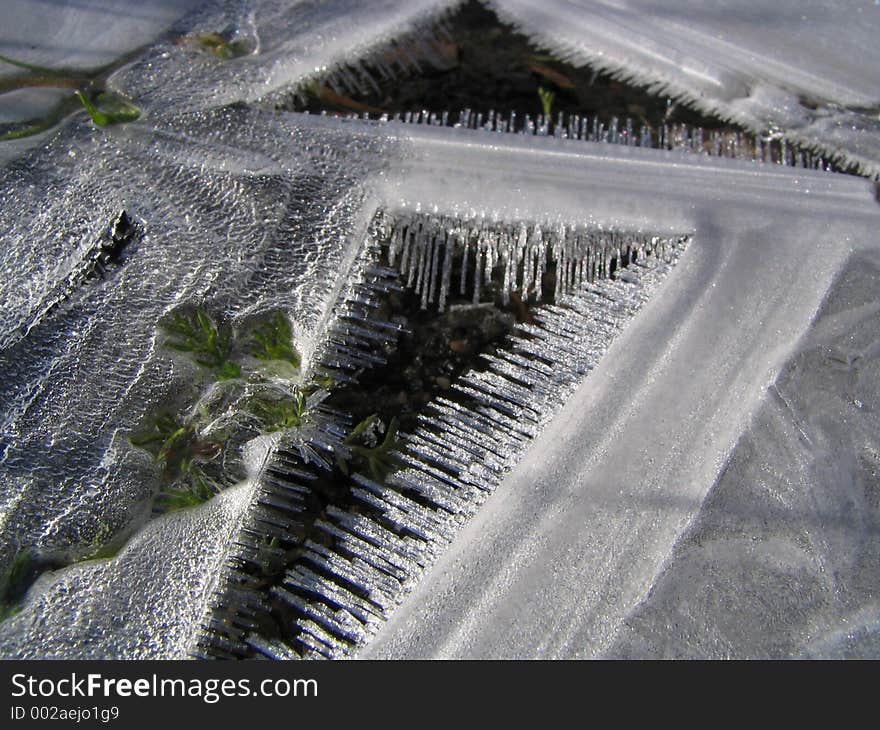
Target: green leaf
{"x": 174, "y": 499}
{"x": 28, "y": 131}
{"x": 280, "y": 413}
{"x": 98, "y": 117}
{"x": 160, "y": 430}
{"x": 380, "y": 460}
{"x": 45, "y": 70}
{"x": 208, "y": 344}
{"x": 107, "y": 108}
{"x": 229, "y": 371}
{"x": 361, "y": 428}
{"x": 547, "y": 98}
{"x": 169, "y": 444}
{"x": 275, "y": 341}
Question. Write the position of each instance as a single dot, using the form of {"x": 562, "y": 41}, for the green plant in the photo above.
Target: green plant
{"x": 274, "y": 340}
{"x": 208, "y": 344}
{"x": 547, "y": 99}
{"x": 280, "y": 413}
{"x": 103, "y": 106}
{"x": 177, "y": 449}
{"x": 380, "y": 460}
{"x": 107, "y": 108}
{"x": 182, "y": 448}
{"x": 42, "y": 70}
{"x": 28, "y": 131}
{"x": 167, "y": 440}
{"x": 199, "y": 488}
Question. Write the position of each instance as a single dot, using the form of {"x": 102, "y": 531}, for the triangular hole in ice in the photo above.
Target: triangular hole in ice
{"x": 447, "y": 333}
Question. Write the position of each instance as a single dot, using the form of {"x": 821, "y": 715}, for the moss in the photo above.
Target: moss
{"x": 279, "y": 411}
{"x": 208, "y": 343}
{"x": 274, "y": 341}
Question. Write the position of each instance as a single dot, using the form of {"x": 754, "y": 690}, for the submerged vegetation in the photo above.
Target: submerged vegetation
{"x": 226, "y": 44}
{"x": 251, "y": 384}
{"x": 274, "y": 340}
{"x": 381, "y": 459}
{"x": 547, "y": 98}
{"x": 104, "y": 107}
{"x": 208, "y": 344}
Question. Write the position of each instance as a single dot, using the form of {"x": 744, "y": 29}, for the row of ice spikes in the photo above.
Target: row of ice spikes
{"x": 768, "y": 149}
{"x": 425, "y": 248}
{"x": 426, "y": 46}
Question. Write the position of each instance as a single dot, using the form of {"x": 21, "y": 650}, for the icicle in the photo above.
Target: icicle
{"x": 447, "y": 269}
{"x": 404, "y": 259}
{"x": 415, "y": 255}
{"x": 425, "y": 247}
{"x": 431, "y": 256}
{"x": 477, "y": 272}
{"x": 491, "y": 254}
{"x": 435, "y": 269}
{"x": 464, "y": 263}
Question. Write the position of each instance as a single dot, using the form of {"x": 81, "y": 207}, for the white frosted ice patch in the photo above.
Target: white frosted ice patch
{"x": 245, "y": 212}
{"x": 145, "y": 603}
{"x": 573, "y": 539}
{"x": 261, "y": 219}
{"x": 289, "y": 42}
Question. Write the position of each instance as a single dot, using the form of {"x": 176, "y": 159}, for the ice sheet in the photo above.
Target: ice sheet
{"x": 291, "y": 41}
{"x": 146, "y": 603}
{"x": 244, "y": 211}
{"x": 72, "y": 36}
{"x": 83, "y": 35}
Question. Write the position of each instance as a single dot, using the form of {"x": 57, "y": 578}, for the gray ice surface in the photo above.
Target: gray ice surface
{"x": 83, "y": 35}
{"x": 75, "y": 37}
{"x": 788, "y": 539}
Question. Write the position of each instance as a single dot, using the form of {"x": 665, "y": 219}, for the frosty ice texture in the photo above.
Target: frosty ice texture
{"x": 242, "y": 213}
{"x": 788, "y": 538}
